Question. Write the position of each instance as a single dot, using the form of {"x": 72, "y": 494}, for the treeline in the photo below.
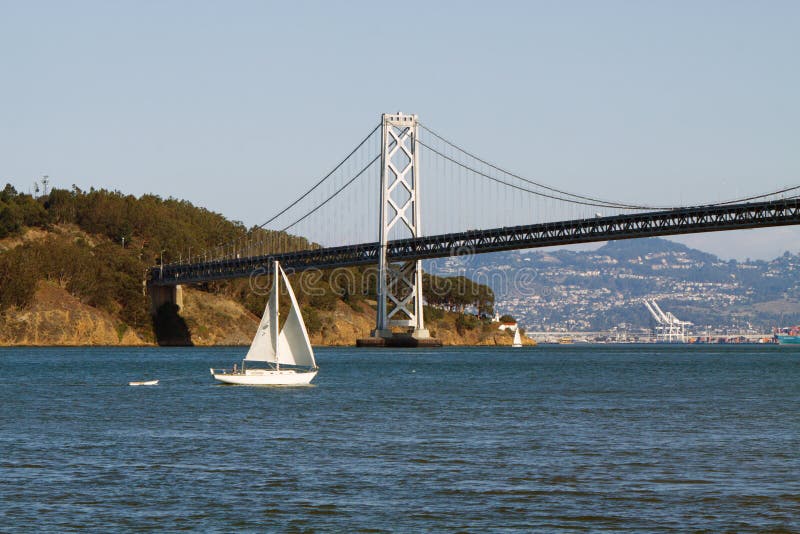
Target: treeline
{"x": 457, "y": 293}
{"x": 149, "y": 223}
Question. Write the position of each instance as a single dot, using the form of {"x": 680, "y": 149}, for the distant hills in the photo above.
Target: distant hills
{"x": 603, "y": 289}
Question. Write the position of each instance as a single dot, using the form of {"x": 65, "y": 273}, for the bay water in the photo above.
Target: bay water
{"x": 570, "y": 438}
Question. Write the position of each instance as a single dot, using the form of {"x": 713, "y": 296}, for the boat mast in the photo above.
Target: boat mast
{"x": 275, "y": 268}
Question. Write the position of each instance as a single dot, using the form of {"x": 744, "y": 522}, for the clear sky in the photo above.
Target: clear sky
{"x": 238, "y": 106}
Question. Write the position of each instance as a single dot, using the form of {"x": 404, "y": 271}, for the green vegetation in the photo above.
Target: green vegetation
{"x": 18, "y": 211}
{"x": 457, "y": 293}
{"x": 103, "y": 276}
{"x": 18, "y": 276}
{"x": 432, "y": 314}
{"x": 467, "y": 322}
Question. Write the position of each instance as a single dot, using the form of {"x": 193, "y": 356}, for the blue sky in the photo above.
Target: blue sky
{"x": 237, "y": 106}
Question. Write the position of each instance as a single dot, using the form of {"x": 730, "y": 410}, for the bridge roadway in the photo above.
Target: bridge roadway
{"x": 647, "y": 224}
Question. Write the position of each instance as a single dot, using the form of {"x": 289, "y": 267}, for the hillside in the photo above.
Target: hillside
{"x": 603, "y": 289}
{"x": 55, "y": 317}
{"x": 73, "y": 263}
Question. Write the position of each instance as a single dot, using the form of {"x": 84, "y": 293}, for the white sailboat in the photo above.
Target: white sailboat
{"x": 517, "y": 340}
{"x": 289, "y": 347}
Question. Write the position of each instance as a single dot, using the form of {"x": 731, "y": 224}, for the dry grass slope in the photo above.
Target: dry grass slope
{"x": 58, "y": 318}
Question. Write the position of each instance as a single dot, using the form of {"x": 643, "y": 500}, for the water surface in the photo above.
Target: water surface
{"x": 561, "y": 437}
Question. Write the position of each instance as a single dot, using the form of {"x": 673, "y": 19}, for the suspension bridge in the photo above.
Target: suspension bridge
{"x": 369, "y": 210}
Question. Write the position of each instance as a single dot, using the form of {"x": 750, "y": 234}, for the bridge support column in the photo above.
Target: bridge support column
{"x": 160, "y": 295}
{"x": 399, "y": 285}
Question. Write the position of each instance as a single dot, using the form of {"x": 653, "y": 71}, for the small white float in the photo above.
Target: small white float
{"x": 144, "y": 383}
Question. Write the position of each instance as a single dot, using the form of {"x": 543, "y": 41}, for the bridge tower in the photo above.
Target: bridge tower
{"x": 400, "y": 284}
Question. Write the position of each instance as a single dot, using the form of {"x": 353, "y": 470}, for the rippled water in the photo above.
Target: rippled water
{"x": 618, "y": 438}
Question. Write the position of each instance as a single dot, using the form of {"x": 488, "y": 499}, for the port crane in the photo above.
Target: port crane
{"x": 669, "y": 328}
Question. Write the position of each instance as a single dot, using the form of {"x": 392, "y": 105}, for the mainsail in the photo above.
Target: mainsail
{"x": 262, "y": 349}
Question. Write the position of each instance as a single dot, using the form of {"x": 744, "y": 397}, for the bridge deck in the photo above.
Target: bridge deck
{"x": 659, "y": 223}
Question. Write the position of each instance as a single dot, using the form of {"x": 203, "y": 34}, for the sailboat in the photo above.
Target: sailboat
{"x": 288, "y": 353}
{"x": 517, "y": 340}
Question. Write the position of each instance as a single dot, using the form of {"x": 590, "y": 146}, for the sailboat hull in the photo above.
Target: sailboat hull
{"x": 267, "y": 377}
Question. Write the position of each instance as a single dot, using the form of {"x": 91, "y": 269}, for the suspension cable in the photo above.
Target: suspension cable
{"x": 592, "y": 199}
{"x": 538, "y": 193}
{"x": 756, "y": 197}
{"x": 607, "y": 203}
{"x": 335, "y": 193}
{"x": 293, "y": 204}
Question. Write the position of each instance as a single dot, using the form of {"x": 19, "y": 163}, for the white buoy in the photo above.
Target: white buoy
{"x": 145, "y": 383}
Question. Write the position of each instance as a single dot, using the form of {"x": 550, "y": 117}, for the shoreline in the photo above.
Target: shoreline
{"x": 353, "y": 346}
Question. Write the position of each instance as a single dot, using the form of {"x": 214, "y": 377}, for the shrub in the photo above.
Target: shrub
{"x": 18, "y": 277}
{"x": 312, "y": 320}
{"x": 432, "y": 314}
{"x": 466, "y": 322}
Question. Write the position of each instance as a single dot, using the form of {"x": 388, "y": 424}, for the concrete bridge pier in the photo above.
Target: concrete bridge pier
{"x": 160, "y": 295}
{"x": 168, "y": 326}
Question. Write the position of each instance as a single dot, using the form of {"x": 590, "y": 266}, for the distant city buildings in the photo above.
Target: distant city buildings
{"x": 604, "y": 289}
